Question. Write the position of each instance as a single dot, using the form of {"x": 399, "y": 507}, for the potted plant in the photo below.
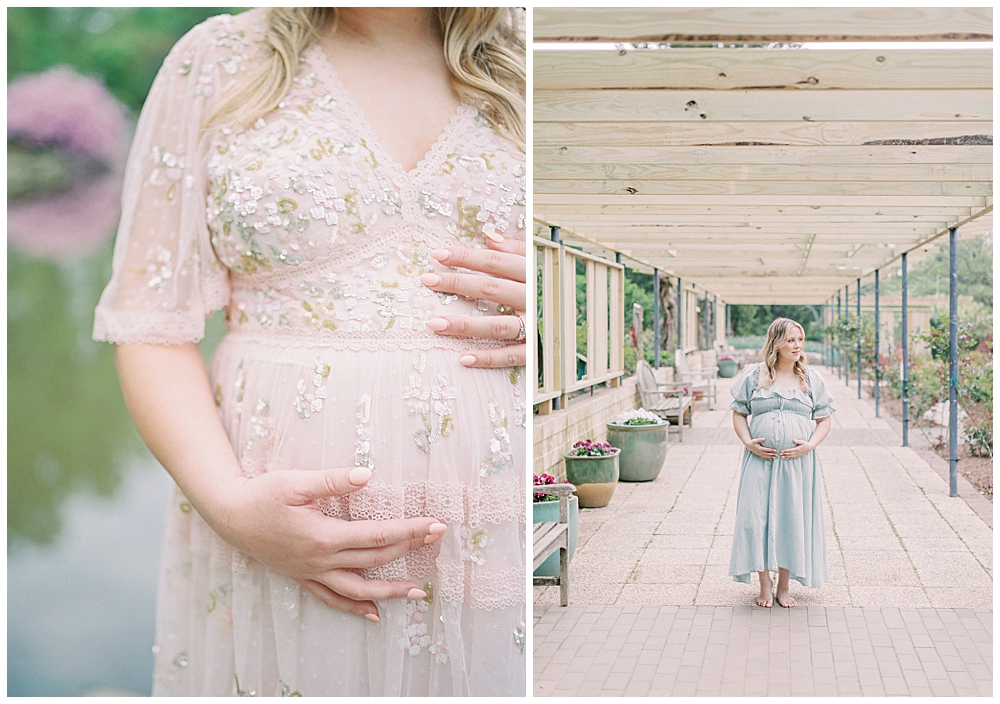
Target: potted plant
{"x": 545, "y": 509}
{"x": 642, "y": 438}
{"x": 727, "y": 367}
{"x": 593, "y": 468}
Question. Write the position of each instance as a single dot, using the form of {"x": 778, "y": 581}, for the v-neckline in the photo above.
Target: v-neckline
{"x": 437, "y": 151}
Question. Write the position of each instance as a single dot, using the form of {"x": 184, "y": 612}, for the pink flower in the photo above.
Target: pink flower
{"x": 84, "y": 123}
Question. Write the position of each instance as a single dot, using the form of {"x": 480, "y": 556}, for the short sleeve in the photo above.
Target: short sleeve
{"x": 166, "y": 277}
{"x": 742, "y": 390}
{"x": 821, "y": 396}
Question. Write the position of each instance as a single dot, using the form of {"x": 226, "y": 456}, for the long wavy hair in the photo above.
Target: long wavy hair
{"x": 484, "y": 48}
{"x": 777, "y": 336}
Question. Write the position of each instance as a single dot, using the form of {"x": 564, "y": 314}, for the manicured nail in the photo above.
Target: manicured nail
{"x": 431, "y": 538}
{"x": 373, "y": 617}
{"x": 416, "y": 594}
{"x": 437, "y": 324}
{"x": 442, "y": 255}
{"x": 495, "y": 236}
{"x": 430, "y": 279}
{"x": 359, "y": 475}
{"x": 437, "y": 528}
{"x": 467, "y": 360}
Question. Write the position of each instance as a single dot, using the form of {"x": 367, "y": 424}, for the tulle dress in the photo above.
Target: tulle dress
{"x": 313, "y": 240}
{"x": 779, "y": 508}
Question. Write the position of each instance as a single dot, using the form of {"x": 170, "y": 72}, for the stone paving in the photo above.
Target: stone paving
{"x": 900, "y": 551}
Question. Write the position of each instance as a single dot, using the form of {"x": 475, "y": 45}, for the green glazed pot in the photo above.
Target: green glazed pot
{"x": 727, "y": 368}
{"x": 644, "y": 448}
{"x": 548, "y": 512}
{"x": 595, "y": 478}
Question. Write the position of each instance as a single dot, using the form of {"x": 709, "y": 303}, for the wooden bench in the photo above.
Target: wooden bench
{"x": 548, "y": 537}
{"x": 673, "y": 406}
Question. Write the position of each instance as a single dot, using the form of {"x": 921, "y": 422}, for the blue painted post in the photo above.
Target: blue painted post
{"x": 840, "y": 341}
{"x": 905, "y": 391}
{"x": 859, "y": 338}
{"x": 953, "y": 361}
{"x": 656, "y": 318}
{"x": 680, "y": 315}
{"x": 554, "y": 234}
{"x": 876, "y": 345}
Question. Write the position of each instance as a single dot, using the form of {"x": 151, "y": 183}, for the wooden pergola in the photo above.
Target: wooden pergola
{"x": 763, "y": 174}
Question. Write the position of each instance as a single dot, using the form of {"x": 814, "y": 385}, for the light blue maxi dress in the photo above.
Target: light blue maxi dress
{"x": 779, "y": 509}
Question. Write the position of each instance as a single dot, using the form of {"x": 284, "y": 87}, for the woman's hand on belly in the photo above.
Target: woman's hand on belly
{"x": 756, "y": 446}
{"x": 274, "y": 518}
{"x": 505, "y": 261}
{"x": 802, "y": 447}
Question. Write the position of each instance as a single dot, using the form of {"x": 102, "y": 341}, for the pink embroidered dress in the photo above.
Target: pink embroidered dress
{"x": 313, "y": 240}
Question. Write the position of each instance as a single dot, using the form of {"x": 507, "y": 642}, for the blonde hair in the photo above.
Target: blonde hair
{"x": 777, "y": 336}
{"x": 483, "y": 47}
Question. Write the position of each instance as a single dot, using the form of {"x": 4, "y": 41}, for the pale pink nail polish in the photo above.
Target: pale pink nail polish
{"x": 467, "y": 360}
{"x": 430, "y": 279}
{"x": 437, "y": 324}
{"x": 359, "y": 475}
{"x": 495, "y": 236}
{"x": 442, "y": 255}
{"x": 416, "y": 594}
{"x": 430, "y": 538}
{"x": 373, "y": 617}
{"x": 437, "y": 528}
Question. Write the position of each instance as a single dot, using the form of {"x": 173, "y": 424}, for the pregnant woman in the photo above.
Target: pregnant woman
{"x": 349, "y": 518}
{"x": 779, "y": 510}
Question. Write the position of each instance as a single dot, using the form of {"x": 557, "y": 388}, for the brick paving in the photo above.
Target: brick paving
{"x": 635, "y": 650}
{"x": 907, "y": 610}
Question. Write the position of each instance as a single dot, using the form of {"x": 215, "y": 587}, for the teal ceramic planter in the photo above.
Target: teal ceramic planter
{"x": 546, "y": 512}
{"x": 727, "y": 368}
{"x": 595, "y": 478}
{"x": 643, "y": 450}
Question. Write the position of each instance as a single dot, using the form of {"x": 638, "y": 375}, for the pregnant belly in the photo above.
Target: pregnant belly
{"x": 781, "y": 430}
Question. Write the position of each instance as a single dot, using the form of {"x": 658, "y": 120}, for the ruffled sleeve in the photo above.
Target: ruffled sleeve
{"x": 821, "y": 396}
{"x": 743, "y": 390}
{"x": 166, "y": 277}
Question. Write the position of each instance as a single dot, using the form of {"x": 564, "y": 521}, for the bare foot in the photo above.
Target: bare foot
{"x": 766, "y": 589}
{"x": 783, "y": 598}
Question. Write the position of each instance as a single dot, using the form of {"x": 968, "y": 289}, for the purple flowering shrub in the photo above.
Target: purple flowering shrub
{"x": 544, "y": 480}
{"x": 586, "y": 448}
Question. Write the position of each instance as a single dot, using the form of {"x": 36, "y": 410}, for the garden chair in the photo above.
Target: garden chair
{"x": 667, "y": 400}
{"x": 696, "y": 378}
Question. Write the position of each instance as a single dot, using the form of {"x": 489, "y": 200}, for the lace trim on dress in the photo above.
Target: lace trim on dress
{"x": 495, "y": 502}
{"x": 485, "y": 589}
{"x": 315, "y": 56}
{"x": 362, "y": 342}
{"x": 148, "y": 327}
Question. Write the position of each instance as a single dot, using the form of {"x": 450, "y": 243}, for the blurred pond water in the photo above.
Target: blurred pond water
{"x": 85, "y": 500}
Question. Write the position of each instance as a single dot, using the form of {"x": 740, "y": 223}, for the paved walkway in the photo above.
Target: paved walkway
{"x": 904, "y": 558}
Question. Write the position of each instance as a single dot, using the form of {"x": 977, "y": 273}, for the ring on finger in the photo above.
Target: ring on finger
{"x": 522, "y": 333}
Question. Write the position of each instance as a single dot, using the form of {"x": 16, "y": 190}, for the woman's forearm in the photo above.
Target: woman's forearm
{"x": 168, "y": 394}
{"x": 742, "y": 428}
{"x": 823, "y": 426}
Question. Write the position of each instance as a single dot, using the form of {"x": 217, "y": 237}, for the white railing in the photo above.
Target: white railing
{"x": 601, "y": 355}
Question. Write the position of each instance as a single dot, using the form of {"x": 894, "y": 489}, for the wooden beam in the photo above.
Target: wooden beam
{"x": 857, "y": 156}
{"x": 762, "y": 24}
{"x": 884, "y": 190}
{"x": 764, "y": 212}
{"x": 762, "y": 106}
{"x": 876, "y": 201}
{"x": 743, "y": 69}
{"x": 745, "y": 220}
{"x": 722, "y": 133}
{"x": 666, "y": 171}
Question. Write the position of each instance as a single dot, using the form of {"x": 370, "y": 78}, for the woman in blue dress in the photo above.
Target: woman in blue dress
{"x": 779, "y": 510}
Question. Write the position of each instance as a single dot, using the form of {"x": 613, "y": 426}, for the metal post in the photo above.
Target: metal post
{"x": 953, "y": 361}
{"x": 554, "y": 230}
{"x": 656, "y": 318}
{"x": 876, "y": 345}
{"x": 618, "y": 257}
{"x": 715, "y": 320}
{"x": 707, "y": 315}
{"x": 840, "y": 342}
{"x": 680, "y": 316}
{"x": 826, "y": 347}
{"x": 859, "y": 338}
{"x": 847, "y": 317}
{"x": 905, "y": 391}
{"x": 729, "y": 321}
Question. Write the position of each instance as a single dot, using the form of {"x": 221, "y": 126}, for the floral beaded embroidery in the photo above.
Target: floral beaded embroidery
{"x": 363, "y": 445}
{"x": 500, "y": 456}
{"x": 473, "y": 544}
{"x": 309, "y": 402}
